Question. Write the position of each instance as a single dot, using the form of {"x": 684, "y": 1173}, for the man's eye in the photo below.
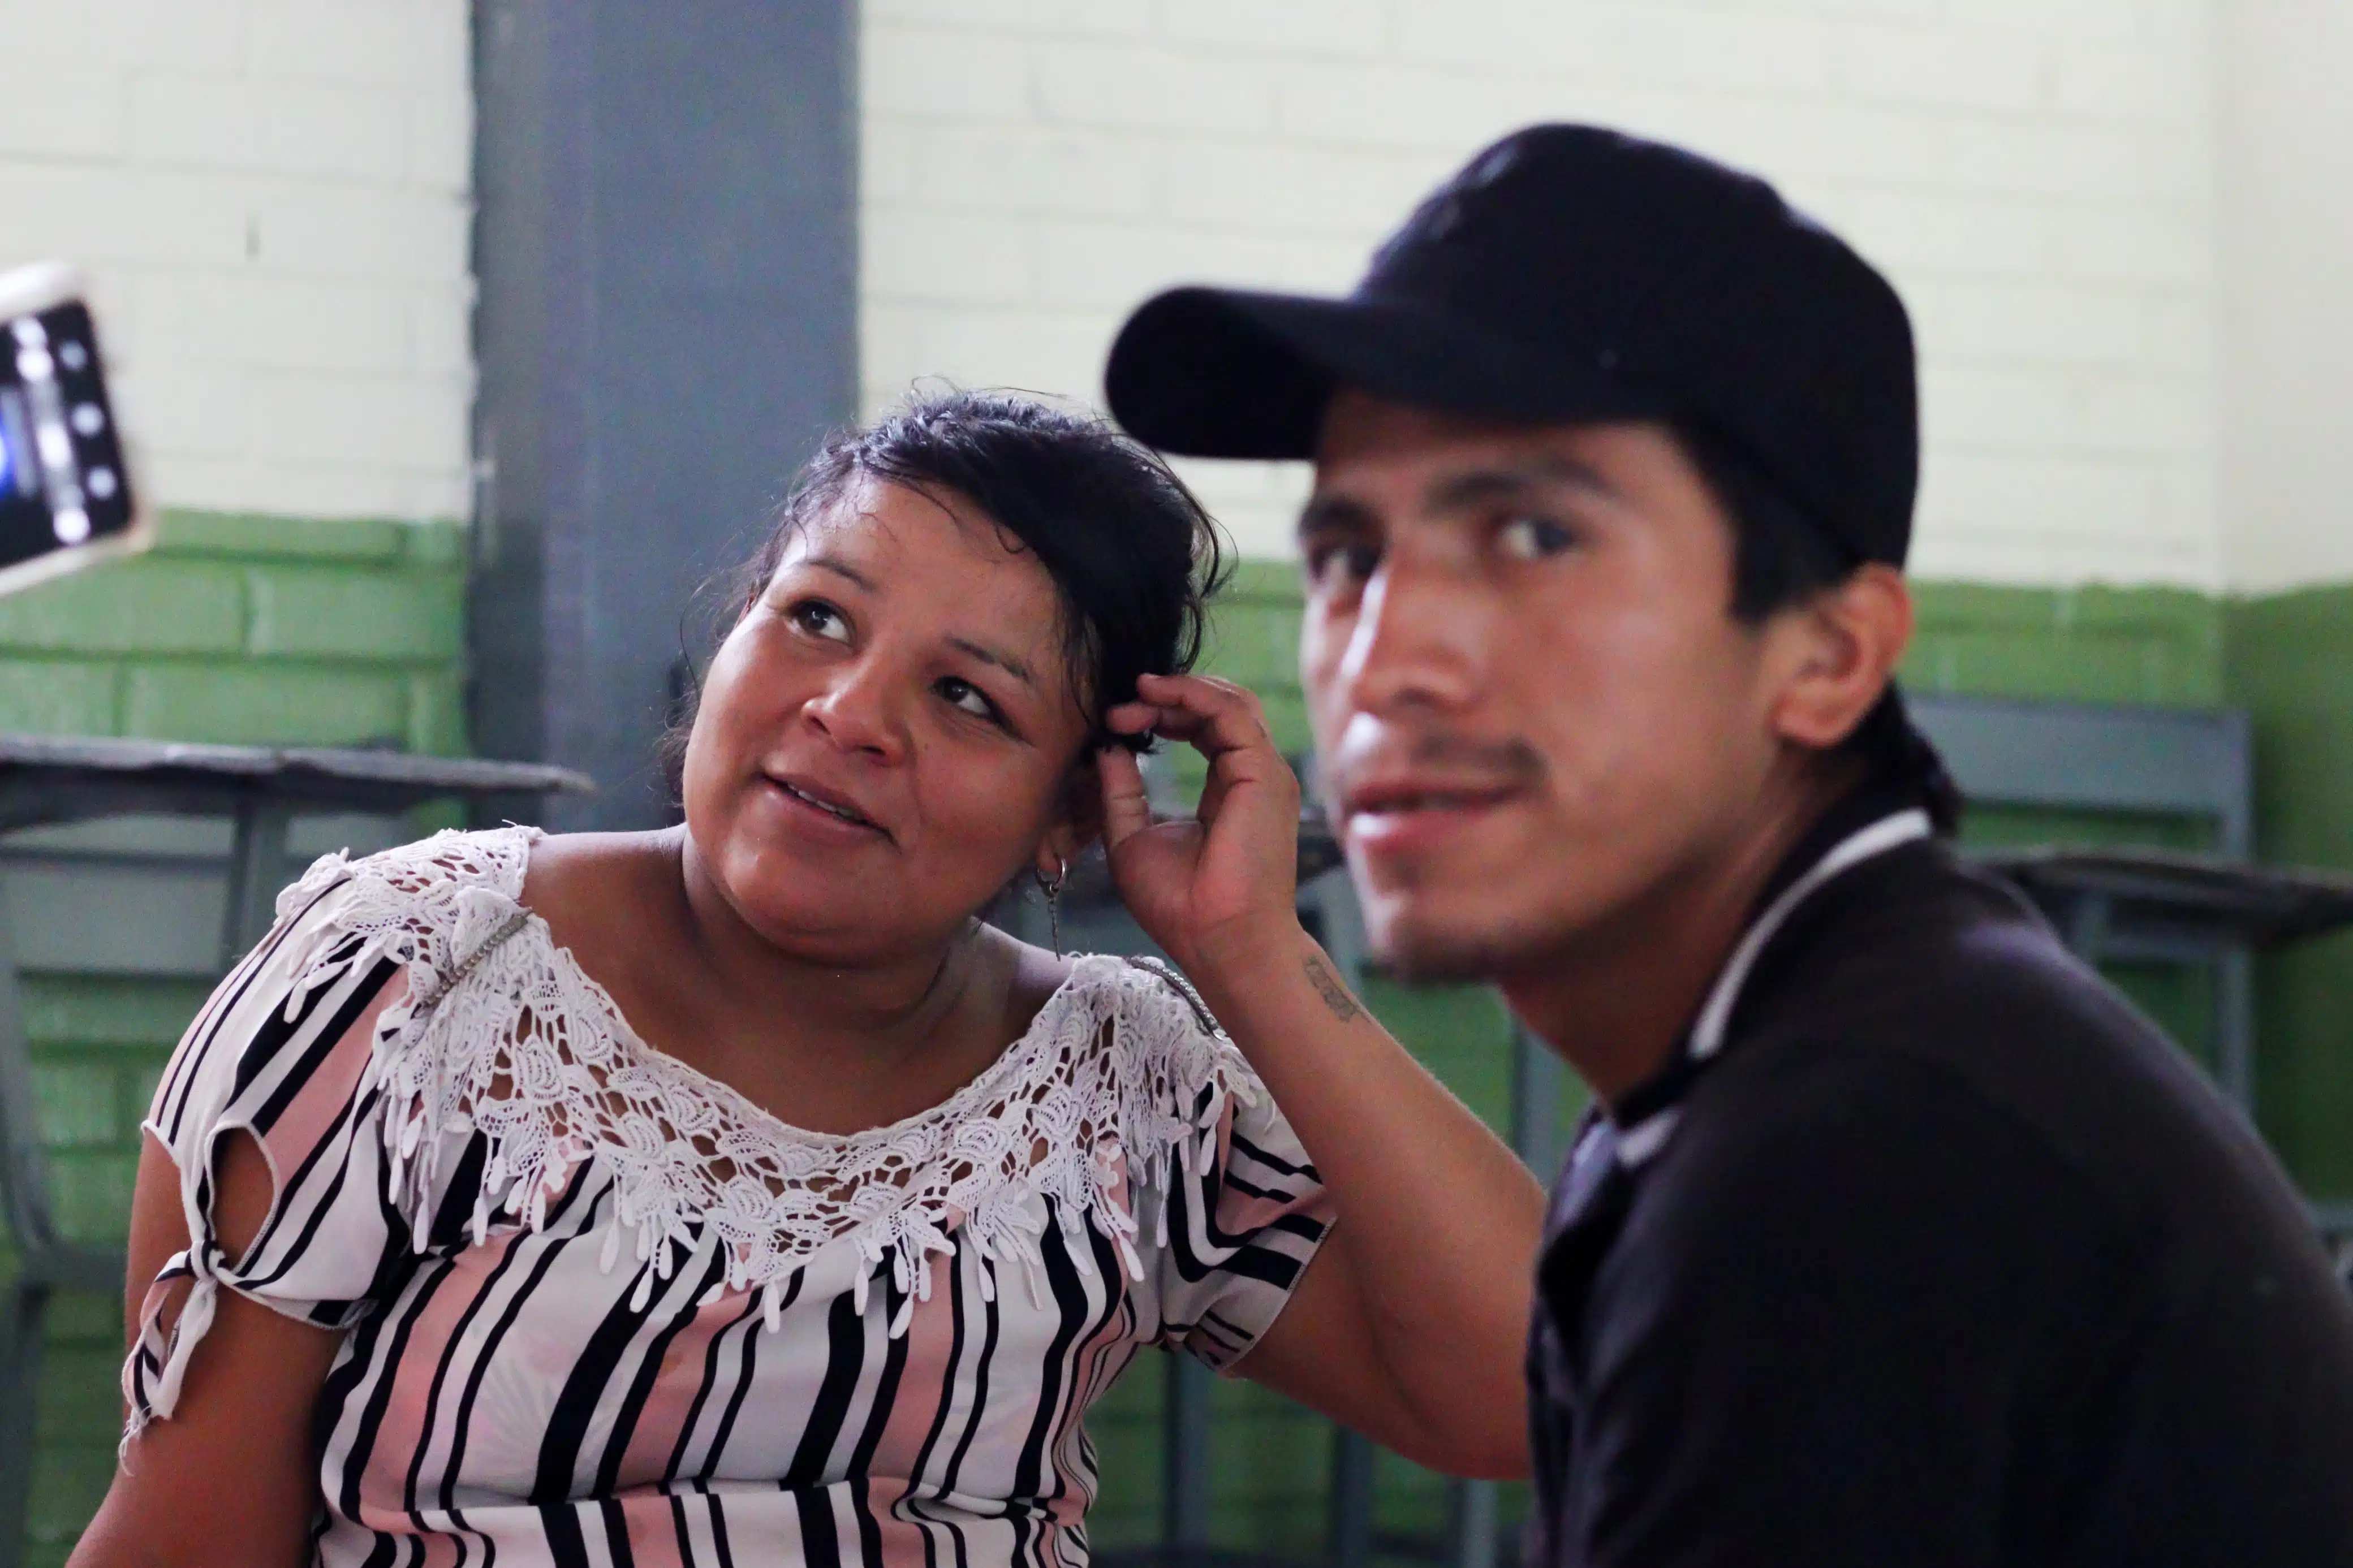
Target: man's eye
{"x": 820, "y": 619}
{"x": 1532, "y": 538}
{"x": 1335, "y": 566}
{"x": 962, "y": 694}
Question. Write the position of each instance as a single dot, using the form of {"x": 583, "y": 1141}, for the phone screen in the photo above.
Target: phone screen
{"x": 62, "y": 483}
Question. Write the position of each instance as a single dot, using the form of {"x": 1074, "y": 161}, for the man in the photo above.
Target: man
{"x": 1897, "y": 1236}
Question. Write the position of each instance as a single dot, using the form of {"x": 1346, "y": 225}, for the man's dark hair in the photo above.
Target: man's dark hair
{"x": 1781, "y": 557}
{"x": 1134, "y": 557}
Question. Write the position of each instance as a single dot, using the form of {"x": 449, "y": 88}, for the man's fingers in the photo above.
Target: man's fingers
{"x": 1126, "y": 809}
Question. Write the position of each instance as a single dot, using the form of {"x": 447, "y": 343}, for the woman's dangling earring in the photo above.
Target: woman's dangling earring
{"x": 1053, "y": 891}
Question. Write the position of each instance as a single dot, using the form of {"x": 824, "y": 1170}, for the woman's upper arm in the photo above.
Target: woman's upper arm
{"x": 1321, "y": 1352}
{"x": 159, "y": 1228}
{"x": 1324, "y": 1351}
{"x": 235, "y": 1462}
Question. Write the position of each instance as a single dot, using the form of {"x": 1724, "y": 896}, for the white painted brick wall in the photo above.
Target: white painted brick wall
{"x": 2036, "y": 175}
{"x": 2287, "y": 316}
{"x": 270, "y": 198}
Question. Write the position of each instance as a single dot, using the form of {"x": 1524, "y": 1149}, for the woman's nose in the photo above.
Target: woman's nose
{"x": 856, "y": 713}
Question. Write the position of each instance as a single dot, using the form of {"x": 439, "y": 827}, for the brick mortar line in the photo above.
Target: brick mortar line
{"x": 383, "y": 666}
{"x": 1833, "y": 94}
{"x": 134, "y": 164}
{"x": 2040, "y": 202}
{"x": 2138, "y": 32}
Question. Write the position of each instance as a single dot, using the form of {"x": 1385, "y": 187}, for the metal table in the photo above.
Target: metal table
{"x": 47, "y": 781}
{"x": 2174, "y": 900}
{"x": 2169, "y": 906}
{"x": 2172, "y": 907}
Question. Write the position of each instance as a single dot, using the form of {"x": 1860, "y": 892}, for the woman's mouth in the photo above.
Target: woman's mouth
{"x": 832, "y": 806}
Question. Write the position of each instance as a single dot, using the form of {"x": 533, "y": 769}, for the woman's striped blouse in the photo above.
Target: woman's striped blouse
{"x": 598, "y": 1309}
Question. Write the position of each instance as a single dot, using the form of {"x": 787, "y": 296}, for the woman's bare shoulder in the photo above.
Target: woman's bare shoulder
{"x": 576, "y": 875}
{"x": 1033, "y": 975}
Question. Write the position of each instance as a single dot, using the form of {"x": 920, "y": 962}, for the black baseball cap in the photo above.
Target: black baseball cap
{"x": 1570, "y": 273}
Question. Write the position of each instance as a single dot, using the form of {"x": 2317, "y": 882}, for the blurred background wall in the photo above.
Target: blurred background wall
{"x": 272, "y": 203}
{"x": 371, "y": 356}
{"x": 2037, "y": 174}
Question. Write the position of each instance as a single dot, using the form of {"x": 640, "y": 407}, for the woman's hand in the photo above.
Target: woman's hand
{"x": 1222, "y": 890}
{"x": 1411, "y": 1322}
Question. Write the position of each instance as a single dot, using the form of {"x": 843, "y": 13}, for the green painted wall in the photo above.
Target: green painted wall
{"x": 2161, "y": 646}
{"x": 243, "y": 629}
{"x": 2291, "y": 666}
{"x": 2078, "y": 645}
{"x": 251, "y": 629}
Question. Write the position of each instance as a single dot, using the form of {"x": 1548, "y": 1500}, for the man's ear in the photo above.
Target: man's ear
{"x": 1839, "y": 651}
{"x": 1078, "y": 818}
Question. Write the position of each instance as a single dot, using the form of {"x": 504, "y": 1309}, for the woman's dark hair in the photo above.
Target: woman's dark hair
{"x": 1782, "y": 557}
{"x": 1134, "y": 557}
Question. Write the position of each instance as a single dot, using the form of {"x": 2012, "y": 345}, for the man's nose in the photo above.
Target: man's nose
{"x": 859, "y": 713}
{"x": 1419, "y": 640}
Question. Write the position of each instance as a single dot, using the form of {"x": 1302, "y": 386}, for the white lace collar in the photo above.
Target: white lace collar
{"x": 501, "y": 1034}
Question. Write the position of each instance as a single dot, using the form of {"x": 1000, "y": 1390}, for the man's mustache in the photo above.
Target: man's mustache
{"x": 1507, "y": 763}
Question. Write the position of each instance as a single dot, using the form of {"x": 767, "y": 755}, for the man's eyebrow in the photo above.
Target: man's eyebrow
{"x": 1324, "y": 512}
{"x": 1004, "y": 661}
{"x": 1459, "y": 491}
{"x": 1456, "y": 491}
{"x": 839, "y": 568}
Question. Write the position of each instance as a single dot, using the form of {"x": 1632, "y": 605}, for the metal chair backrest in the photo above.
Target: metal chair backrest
{"x": 24, "y": 1162}
{"x": 2168, "y": 762}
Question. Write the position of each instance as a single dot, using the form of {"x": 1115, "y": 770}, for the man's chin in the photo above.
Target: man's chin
{"x": 1424, "y": 949}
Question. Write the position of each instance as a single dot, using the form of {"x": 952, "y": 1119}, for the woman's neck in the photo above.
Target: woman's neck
{"x": 827, "y": 1045}
{"x": 882, "y": 1010}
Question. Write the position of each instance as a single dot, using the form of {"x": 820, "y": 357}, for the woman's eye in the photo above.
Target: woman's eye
{"x": 970, "y": 699}
{"x": 1532, "y": 538}
{"x": 820, "y": 619}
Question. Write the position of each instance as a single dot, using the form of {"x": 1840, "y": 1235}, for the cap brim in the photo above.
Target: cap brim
{"x": 1226, "y": 373}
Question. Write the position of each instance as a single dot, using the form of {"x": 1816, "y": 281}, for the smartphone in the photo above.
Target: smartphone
{"x": 65, "y": 492}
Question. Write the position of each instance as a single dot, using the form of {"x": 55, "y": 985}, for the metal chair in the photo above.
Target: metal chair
{"x": 49, "y": 780}
{"x": 46, "y": 1261}
{"x": 2156, "y": 761}
{"x": 2213, "y": 909}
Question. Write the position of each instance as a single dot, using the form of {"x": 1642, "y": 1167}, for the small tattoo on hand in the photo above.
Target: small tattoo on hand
{"x": 1344, "y": 1006}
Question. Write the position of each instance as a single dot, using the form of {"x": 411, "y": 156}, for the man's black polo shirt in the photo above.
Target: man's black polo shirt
{"x": 1946, "y": 1257}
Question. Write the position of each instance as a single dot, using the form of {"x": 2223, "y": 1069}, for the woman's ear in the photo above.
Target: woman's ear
{"x": 1077, "y": 817}
{"x": 1841, "y": 648}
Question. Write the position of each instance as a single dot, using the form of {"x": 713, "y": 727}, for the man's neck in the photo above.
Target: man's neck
{"x": 1615, "y": 1000}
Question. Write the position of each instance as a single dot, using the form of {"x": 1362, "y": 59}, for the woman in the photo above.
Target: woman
{"x": 733, "y": 1194}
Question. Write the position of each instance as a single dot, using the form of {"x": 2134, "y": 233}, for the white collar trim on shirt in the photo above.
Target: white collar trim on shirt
{"x": 1643, "y": 1139}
